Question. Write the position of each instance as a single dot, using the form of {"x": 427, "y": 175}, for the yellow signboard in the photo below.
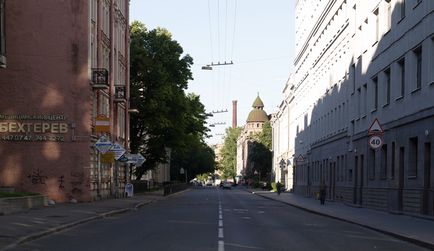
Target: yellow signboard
{"x": 102, "y": 123}
{"x": 108, "y": 157}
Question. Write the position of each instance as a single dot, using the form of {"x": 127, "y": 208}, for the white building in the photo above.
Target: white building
{"x": 283, "y": 147}
{"x": 357, "y": 61}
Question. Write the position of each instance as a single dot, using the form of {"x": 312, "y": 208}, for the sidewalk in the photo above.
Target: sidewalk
{"x": 22, "y": 227}
{"x": 416, "y": 230}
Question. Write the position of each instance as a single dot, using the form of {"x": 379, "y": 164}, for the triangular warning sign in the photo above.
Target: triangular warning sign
{"x": 375, "y": 128}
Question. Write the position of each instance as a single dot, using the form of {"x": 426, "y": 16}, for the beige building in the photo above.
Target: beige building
{"x": 256, "y": 119}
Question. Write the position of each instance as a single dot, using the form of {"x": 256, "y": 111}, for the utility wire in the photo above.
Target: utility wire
{"x": 210, "y": 30}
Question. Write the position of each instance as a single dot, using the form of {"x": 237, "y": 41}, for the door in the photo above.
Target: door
{"x": 427, "y": 178}
{"x": 401, "y": 177}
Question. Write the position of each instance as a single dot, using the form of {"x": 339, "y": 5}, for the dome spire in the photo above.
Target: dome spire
{"x": 258, "y": 103}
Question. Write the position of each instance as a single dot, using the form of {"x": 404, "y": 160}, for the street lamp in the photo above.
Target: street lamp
{"x": 183, "y": 171}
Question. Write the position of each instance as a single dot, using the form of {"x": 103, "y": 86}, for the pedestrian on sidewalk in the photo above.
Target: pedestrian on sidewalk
{"x": 278, "y": 188}
{"x": 322, "y": 193}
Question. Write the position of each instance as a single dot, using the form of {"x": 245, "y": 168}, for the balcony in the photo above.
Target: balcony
{"x": 120, "y": 92}
{"x": 100, "y": 78}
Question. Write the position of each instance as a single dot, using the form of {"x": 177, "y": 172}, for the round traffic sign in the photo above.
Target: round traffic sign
{"x": 375, "y": 142}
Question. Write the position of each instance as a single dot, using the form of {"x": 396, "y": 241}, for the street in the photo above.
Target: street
{"x": 209, "y": 218}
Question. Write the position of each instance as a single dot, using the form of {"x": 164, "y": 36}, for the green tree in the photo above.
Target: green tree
{"x": 167, "y": 118}
{"x": 228, "y": 162}
{"x": 260, "y": 156}
{"x": 264, "y": 137}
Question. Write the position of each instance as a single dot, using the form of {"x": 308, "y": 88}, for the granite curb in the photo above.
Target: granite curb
{"x": 416, "y": 241}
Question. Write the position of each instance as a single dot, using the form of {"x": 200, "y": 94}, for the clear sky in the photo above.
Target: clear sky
{"x": 257, "y": 35}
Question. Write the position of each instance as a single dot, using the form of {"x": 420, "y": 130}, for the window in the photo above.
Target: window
{"x": 375, "y": 89}
{"x": 371, "y": 164}
{"x": 106, "y": 17}
{"x": 401, "y": 68}
{"x": 427, "y": 165}
{"x": 377, "y": 25}
{"x": 418, "y": 57}
{"x": 412, "y": 161}
{"x": 402, "y": 8}
{"x": 94, "y": 10}
{"x": 387, "y": 86}
{"x": 392, "y": 161}
{"x": 121, "y": 122}
{"x": 383, "y": 167}
{"x": 106, "y": 57}
{"x": 103, "y": 104}
{"x": 365, "y": 99}
{"x": 389, "y": 15}
{"x": 93, "y": 46}
{"x": 353, "y": 77}
{"x": 359, "y": 102}
{"x": 2, "y": 34}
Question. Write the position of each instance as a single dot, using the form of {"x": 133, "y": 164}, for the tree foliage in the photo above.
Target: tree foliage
{"x": 167, "y": 118}
{"x": 228, "y": 162}
{"x": 260, "y": 156}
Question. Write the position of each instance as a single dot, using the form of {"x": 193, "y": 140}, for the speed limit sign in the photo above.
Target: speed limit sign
{"x": 375, "y": 142}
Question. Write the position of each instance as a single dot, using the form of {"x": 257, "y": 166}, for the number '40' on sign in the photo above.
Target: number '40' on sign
{"x": 375, "y": 142}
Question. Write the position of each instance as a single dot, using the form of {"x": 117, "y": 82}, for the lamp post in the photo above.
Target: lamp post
{"x": 183, "y": 171}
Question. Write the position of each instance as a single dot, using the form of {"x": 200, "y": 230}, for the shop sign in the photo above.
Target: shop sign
{"x": 136, "y": 159}
{"x": 108, "y": 158}
{"x": 103, "y": 144}
{"x": 118, "y": 151}
{"x": 102, "y": 123}
{"x": 30, "y": 128}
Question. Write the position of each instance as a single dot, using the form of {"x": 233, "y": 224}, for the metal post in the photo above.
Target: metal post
{"x": 98, "y": 190}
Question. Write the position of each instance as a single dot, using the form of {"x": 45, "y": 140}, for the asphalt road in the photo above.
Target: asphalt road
{"x": 214, "y": 219}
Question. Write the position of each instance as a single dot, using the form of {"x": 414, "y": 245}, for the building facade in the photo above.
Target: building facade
{"x": 65, "y": 85}
{"x": 254, "y": 123}
{"x": 282, "y": 146}
{"x": 2, "y": 34}
{"x": 358, "y": 62}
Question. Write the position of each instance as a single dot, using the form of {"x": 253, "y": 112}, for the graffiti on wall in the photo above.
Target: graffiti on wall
{"x": 77, "y": 179}
{"x": 37, "y": 177}
{"x": 61, "y": 182}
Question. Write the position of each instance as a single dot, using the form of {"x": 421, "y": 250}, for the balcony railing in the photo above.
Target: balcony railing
{"x": 120, "y": 94}
{"x": 100, "y": 78}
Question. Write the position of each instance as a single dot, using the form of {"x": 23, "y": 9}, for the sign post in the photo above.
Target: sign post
{"x": 375, "y": 131}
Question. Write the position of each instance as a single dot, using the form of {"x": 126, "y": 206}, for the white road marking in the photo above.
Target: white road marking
{"x": 221, "y": 245}
{"x": 221, "y": 242}
{"x": 221, "y": 233}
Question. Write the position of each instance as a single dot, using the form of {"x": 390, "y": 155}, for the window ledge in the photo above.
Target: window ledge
{"x": 412, "y": 177}
{"x": 415, "y": 90}
{"x": 432, "y": 83}
{"x": 376, "y": 42}
{"x": 400, "y": 20}
{"x": 385, "y": 105}
{"x": 417, "y": 4}
{"x": 364, "y": 116}
{"x": 399, "y": 98}
{"x": 374, "y": 110}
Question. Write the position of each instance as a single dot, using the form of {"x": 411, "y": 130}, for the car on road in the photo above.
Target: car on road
{"x": 226, "y": 185}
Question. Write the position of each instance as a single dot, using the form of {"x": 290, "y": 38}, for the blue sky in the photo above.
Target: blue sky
{"x": 257, "y": 35}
